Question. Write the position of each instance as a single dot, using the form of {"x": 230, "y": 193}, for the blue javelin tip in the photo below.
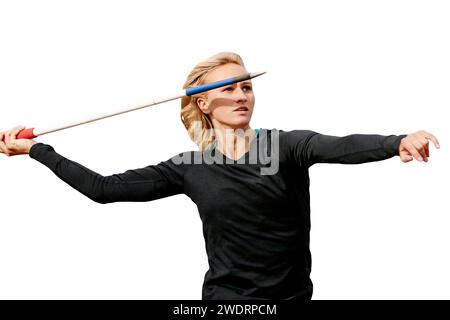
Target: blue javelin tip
{"x": 222, "y": 83}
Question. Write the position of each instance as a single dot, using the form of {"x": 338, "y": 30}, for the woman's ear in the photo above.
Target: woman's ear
{"x": 203, "y": 105}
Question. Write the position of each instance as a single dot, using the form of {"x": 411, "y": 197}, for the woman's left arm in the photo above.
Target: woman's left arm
{"x": 361, "y": 148}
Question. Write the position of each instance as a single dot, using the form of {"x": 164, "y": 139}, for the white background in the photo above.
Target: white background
{"x": 379, "y": 230}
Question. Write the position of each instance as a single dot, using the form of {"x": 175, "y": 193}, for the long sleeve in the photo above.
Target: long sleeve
{"x": 145, "y": 184}
{"x": 310, "y": 147}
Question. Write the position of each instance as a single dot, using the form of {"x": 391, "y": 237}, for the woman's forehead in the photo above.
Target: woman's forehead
{"x": 224, "y": 72}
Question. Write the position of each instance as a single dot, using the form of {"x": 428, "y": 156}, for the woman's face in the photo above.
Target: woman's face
{"x": 230, "y": 106}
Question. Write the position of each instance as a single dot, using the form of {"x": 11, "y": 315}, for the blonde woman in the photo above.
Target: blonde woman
{"x": 251, "y": 186}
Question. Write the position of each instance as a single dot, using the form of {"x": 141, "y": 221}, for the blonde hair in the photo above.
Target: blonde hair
{"x": 197, "y": 123}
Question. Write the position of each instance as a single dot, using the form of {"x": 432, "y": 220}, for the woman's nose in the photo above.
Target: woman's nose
{"x": 240, "y": 94}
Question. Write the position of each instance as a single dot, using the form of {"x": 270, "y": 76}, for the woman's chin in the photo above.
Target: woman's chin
{"x": 240, "y": 124}
{"x": 241, "y": 121}
{"x": 235, "y": 122}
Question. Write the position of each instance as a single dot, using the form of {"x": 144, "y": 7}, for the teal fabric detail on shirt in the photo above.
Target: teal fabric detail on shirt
{"x": 257, "y": 132}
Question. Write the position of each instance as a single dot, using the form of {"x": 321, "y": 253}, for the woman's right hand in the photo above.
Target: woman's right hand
{"x": 11, "y": 146}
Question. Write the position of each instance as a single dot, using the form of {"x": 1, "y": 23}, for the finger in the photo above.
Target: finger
{"x": 427, "y": 149}
{"x": 3, "y": 148}
{"x": 15, "y": 131}
{"x": 413, "y": 151}
{"x": 11, "y": 136}
{"x": 431, "y": 137}
{"x": 419, "y": 145}
{"x": 405, "y": 156}
{"x": 422, "y": 144}
{"x": 6, "y": 137}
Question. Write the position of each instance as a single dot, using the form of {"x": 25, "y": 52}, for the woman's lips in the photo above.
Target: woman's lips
{"x": 241, "y": 109}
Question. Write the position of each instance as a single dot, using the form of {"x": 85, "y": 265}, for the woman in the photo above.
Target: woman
{"x": 251, "y": 187}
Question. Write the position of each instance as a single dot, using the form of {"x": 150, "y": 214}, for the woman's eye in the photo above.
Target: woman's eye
{"x": 228, "y": 89}
{"x": 247, "y": 88}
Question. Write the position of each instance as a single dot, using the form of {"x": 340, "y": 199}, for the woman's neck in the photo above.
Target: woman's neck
{"x": 234, "y": 142}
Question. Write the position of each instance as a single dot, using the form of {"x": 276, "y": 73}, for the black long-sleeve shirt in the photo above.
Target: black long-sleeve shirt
{"x": 256, "y": 223}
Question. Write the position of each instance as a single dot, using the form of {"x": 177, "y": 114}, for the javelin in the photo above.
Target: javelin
{"x": 31, "y": 133}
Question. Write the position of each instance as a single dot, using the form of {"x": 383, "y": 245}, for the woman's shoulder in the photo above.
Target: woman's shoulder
{"x": 288, "y": 134}
{"x": 288, "y": 141}
{"x": 185, "y": 157}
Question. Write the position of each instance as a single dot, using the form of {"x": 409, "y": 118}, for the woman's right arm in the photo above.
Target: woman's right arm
{"x": 145, "y": 184}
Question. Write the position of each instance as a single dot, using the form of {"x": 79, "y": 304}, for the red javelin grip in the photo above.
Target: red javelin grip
{"x": 26, "y": 134}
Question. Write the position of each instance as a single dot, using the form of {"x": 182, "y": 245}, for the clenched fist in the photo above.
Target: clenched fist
{"x": 11, "y": 146}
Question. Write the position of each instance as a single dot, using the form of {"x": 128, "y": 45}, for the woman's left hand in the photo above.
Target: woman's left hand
{"x": 415, "y": 146}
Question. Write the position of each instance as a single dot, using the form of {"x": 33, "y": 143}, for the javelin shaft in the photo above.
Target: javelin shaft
{"x": 31, "y": 133}
{"x": 155, "y": 102}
